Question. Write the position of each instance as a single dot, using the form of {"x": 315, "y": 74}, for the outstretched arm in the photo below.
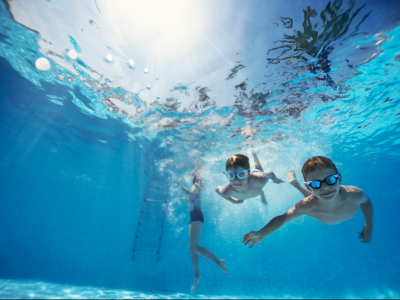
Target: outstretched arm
{"x": 366, "y": 208}
{"x": 256, "y": 237}
{"x": 230, "y": 199}
{"x": 184, "y": 198}
{"x": 187, "y": 192}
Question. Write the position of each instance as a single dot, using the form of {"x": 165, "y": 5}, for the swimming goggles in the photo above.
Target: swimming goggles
{"x": 330, "y": 180}
{"x": 241, "y": 174}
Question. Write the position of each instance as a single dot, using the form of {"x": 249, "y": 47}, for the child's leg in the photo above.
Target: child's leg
{"x": 263, "y": 199}
{"x": 293, "y": 181}
{"x": 257, "y": 164}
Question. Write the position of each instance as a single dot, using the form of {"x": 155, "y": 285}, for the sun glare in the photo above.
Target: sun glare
{"x": 167, "y": 24}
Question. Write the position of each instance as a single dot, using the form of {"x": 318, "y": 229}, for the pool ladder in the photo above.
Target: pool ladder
{"x": 143, "y": 212}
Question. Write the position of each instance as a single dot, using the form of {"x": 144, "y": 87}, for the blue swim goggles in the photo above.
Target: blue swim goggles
{"x": 241, "y": 174}
{"x": 330, "y": 180}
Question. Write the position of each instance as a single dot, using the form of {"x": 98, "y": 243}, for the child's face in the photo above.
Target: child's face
{"x": 238, "y": 183}
{"x": 325, "y": 192}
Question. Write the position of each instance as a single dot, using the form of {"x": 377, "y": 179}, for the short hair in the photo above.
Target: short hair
{"x": 238, "y": 160}
{"x": 315, "y": 162}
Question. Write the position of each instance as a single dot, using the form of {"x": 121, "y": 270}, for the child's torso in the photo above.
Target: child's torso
{"x": 195, "y": 202}
{"x": 254, "y": 188}
{"x": 346, "y": 210}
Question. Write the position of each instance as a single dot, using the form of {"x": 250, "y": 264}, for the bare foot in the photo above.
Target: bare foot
{"x": 222, "y": 265}
{"x": 277, "y": 180}
{"x": 292, "y": 178}
{"x": 273, "y": 177}
{"x": 196, "y": 281}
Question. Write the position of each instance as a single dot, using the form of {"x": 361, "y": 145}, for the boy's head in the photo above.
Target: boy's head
{"x": 238, "y": 160}
{"x": 316, "y": 162}
{"x": 238, "y": 165}
{"x": 319, "y": 169}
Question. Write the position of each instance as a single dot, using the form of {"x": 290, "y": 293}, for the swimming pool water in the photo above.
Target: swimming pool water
{"x": 81, "y": 141}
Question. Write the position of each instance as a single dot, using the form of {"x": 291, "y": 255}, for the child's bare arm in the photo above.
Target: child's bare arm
{"x": 220, "y": 191}
{"x": 366, "y": 208}
{"x": 256, "y": 237}
{"x": 184, "y": 198}
{"x": 187, "y": 192}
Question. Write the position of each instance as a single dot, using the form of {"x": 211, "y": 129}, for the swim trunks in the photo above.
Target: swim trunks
{"x": 195, "y": 209}
{"x": 196, "y": 215}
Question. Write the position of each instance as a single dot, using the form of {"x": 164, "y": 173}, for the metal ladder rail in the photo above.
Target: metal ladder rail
{"x": 137, "y": 232}
{"x": 160, "y": 233}
{"x": 140, "y": 224}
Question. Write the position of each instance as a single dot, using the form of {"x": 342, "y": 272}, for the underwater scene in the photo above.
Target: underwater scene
{"x": 199, "y": 149}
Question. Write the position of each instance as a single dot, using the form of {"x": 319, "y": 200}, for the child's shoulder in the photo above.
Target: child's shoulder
{"x": 352, "y": 192}
{"x": 258, "y": 176}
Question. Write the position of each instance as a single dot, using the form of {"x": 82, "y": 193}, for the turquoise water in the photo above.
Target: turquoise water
{"x": 82, "y": 141}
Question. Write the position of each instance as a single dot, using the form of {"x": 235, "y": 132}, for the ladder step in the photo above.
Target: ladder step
{"x": 154, "y": 201}
{"x": 150, "y": 213}
{"x": 150, "y": 238}
{"x": 140, "y": 224}
{"x": 144, "y": 250}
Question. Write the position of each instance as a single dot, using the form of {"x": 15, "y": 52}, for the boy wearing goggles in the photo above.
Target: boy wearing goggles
{"x": 243, "y": 183}
{"x": 326, "y": 200}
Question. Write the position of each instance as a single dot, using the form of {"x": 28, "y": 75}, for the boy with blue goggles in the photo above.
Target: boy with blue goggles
{"x": 243, "y": 182}
{"x": 325, "y": 200}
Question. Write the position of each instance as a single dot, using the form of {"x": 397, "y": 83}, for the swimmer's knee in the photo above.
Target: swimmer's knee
{"x": 193, "y": 249}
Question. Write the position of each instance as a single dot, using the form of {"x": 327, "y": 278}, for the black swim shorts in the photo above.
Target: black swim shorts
{"x": 196, "y": 215}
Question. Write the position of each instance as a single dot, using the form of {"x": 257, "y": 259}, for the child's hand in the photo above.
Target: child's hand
{"x": 252, "y": 237}
{"x": 366, "y": 235}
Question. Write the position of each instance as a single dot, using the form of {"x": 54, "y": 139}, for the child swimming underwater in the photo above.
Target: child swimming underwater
{"x": 326, "y": 200}
{"x": 195, "y": 226}
{"x": 244, "y": 183}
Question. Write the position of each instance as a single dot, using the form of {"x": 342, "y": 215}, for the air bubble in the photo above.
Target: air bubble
{"x": 158, "y": 96}
{"x": 148, "y": 86}
{"x": 42, "y": 64}
{"x": 93, "y": 24}
{"x": 109, "y": 57}
{"x": 72, "y": 54}
{"x": 131, "y": 63}
{"x": 145, "y": 71}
